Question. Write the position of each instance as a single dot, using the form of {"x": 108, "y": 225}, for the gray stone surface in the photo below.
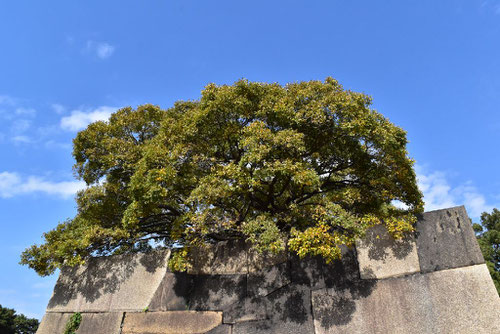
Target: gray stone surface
{"x": 173, "y": 293}
{"x": 268, "y": 279}
{"x": 227, "y": 257}
{"x": 289, "y": 312}
{"x": 460, "y": 300}
{"x": 249, "y": 309}
{"x": 110, "y": 284}
{"x": 260, "y": 261}
{"x": 315, "y": 273}
{"x": 53, "y": 323}
{"x": 445, "y": 240}
{"x": 221, "y": 329}
{"x": 380, "y": 256}
{"x": 216, "y": 292}
{"x": 172, "y": 322}
{"x": 100, "y": 323}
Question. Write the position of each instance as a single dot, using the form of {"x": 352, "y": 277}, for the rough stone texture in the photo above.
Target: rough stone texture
{"x": 221, "y": 329}
{"x": 450, "y": 301}
{"x": 251, "y": 308}
{"x": 100, "y": 323}
{"x": 260, "y": 261}
{"x": 445, "y": 240}
{"x": 110, "y": 284}
{"x": 380, "y": 256}
{"x": 173, "y": 293}
{"x": 315, "y": 273}
{"x": 289, "y": 311}
{"x": 174, "y": 322}
{"x": 216, "y": 292}
{"x": 227, "y": 257}
{"x": 53, "y": 323}
{"x": 268, "y": 279}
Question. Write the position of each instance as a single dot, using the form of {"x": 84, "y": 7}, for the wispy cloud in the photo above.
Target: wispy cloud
{"x": 22, "y": 140}
{"x": 30, "y": 112}
{"x": 7, "y": 100}
{"x": 491, "y": 5}
{"x": 102, "y": 50}
{"x": 80, "y": 119}
{"x": 58, "y": 108}
{"x": 440, "y": 194}
{"x": 13, "y": 184}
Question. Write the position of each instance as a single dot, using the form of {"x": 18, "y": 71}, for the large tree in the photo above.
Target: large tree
{"x": 306, "y": 167}
{"x": 488, "y": 237}
{"x": 12, "y": 323}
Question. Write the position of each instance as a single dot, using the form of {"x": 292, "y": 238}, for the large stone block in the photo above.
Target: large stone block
{"x": 173, "y": 322}
{"x": 261, "y": 261}
{"x": 249, "y": 309}
{"x": 315, "y": 273}
{"x": 226, "y": 257}
{"x": 289, "y": 312}
{"x": 53, "y": 323}
{"x": 445, "y": 240}
{"x": 268, "y": 279}
{"x": 92, "y": 323}
{"x": 173, "y": 294}
{"x": 117, "y": 283}
{"x": 221, "y": 329}
{"x": 216, "y": 292}
{"x": 460, "y": 300}
{"x": 380, "y": 256}
{"x": 100, "y": 323}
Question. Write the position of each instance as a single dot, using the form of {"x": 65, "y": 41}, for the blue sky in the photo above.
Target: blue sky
{"x": 432, "y": 67}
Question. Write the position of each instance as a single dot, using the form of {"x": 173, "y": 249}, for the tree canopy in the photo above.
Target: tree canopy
{"x": 305, "y": 167}
{"x": 489, "y": 241}
{"x": 12, "y": 323}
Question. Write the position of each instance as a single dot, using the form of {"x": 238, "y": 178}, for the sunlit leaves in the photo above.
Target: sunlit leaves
{"x": 306, "y": 167}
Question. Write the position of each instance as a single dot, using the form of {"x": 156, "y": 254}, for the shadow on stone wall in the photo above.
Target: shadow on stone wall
{"x": 381, "y": 243}
{"x": 100, "y": 276}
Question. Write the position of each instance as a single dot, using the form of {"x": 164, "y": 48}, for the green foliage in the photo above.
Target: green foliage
{"x": 73, "y": 323}
{"x": 306, "y": 167}
{"x": 12, "y": 323}
{"x": 489, "y": 241}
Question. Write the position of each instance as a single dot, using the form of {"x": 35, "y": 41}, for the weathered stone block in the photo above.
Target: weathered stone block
{"x": 289, "y": 312}
{"x": 100, "y": 323}
{"x": 226, "y": 257}
{"x": 216, "y": 292}
{"x": 249, "y": 309}
{"x": 438, "y": 302}
{"x": 221, "y": 329}
{"x": 445, "y": 240}
{"x": 173, "y": 322}
{"x": 268, "y": 279}
{"x": 261, "y": 261}
{"x": 110, "y": 284}
{"x": 173, "y": 293}
{"x": 380, "y": 256}
{"x": 315, "y": 273}
{"x": 53, "y": 323}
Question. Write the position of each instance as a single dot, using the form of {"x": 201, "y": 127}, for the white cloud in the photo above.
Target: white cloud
{"x": 102, "y": 50}
{"x": 13, "y": 184}
{"x": 439, "y": 194}
{"x": 20, "y": 125}
{"x": 80, "y": 119}
{"x": 7, "y": 100}
{"x": 58, "y": 108}
{"x": 26, "y": 112}
{"x": 22, "y": 139}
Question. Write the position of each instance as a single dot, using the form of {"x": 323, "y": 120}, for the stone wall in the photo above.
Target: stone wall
{"x": 433, "y": 282}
